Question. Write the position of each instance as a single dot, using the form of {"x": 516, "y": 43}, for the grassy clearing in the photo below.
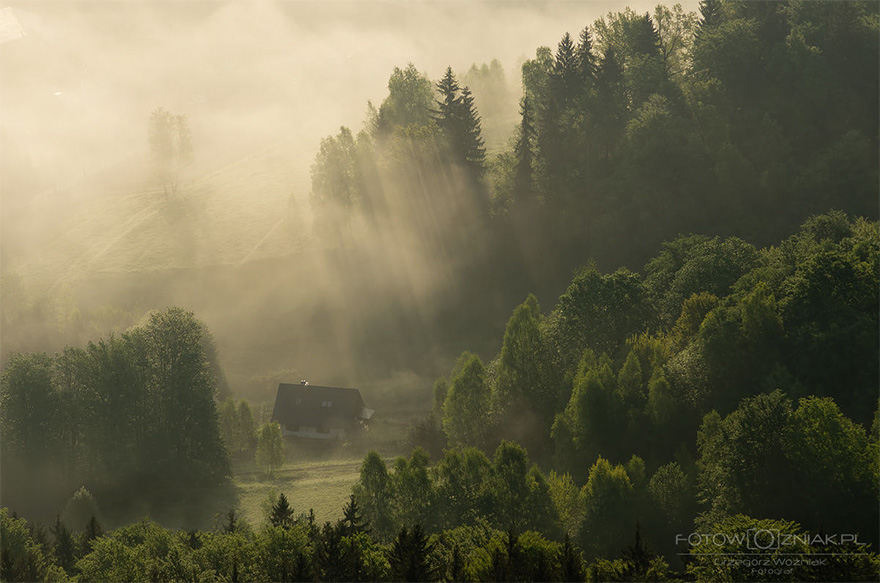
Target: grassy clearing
{"x": 252, "y": 208}
{"x": 322, "y": 485}
{"x": 318, "y": 475}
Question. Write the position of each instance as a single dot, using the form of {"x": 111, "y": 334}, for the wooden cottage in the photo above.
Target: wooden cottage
{"x": 316, "y": 412}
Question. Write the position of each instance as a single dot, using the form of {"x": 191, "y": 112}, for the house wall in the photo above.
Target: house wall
{"x": 313, "y": 433}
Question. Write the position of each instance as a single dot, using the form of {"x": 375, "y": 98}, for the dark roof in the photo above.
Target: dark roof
{"x": 304, "y": 405}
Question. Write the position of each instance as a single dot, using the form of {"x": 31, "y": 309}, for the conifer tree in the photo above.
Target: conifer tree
{"x": 65, "y": 550}
{"x": 460, "y": 122}
{"x": 585, "y": 59}
{"x": 471, "y": 133}
{"x": 523, "y": 178}
{"x": 93, "y": 529}
{"x": 570, "y": 562}
{"x": 282, "y": 513}
{"x": 565, "y": 70}
{"x": 710, "y": 13}
{"x": 409, "y": 558}
{"x": 447, "y": 106}
{"x": 353, "y": 519}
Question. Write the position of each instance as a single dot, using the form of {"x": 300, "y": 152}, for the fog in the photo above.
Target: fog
{"x": 90, "y": 243}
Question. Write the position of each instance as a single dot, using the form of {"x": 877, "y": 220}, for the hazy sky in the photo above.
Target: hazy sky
{"x": 84, "y": 79}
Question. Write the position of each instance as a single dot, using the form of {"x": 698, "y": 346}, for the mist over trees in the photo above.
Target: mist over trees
{"x": 171, "y": 148}
{"x": 632, "y": 131}
{"x": 131, "y": 418}
{"x": 693, "y": 196}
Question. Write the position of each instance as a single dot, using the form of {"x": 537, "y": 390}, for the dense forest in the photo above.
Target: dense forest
{"x": 725, "y": 422}
{"x": 699, "y": 404}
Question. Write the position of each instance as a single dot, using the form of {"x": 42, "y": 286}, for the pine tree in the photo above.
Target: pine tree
{"x": 460, "y": 122}
{"x": 352, "y": 519}
{"x": 710, "y": 13}
{"x": 65, "y": 550}
{"x": 638, "y": 559}
{"x": 471, "y": 133}
{"x": 447, "y": 107}
{"x": 456, "y": 565}
{"x": 610, "y": 103}
{"x": 585, "y": 59}
{"x": 409, "y": 556}
{"x": 93, "y": 529}
{"x": 565, "y": 71}
{"x": 645, "y": 40}
{"x": 570, "y": 563}
{"x": 282, "y": 513}
{"x": 523, "y": 186}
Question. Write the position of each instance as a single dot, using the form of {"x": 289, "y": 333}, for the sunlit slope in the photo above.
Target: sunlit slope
{"x": 252, "y": 208}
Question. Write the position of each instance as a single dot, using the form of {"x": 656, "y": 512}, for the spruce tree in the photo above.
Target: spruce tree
{"x": 710, "y": 13}
{"x": 565, "y": 71}
{"x": 282, "y": 513}
{"x": 585, "y": 59}
{"x": 447, "y": 106}
{"x": 460, "y": 123}
{"x": 523, "y": 178}
{"x": 409, "y": 558}
{"x": 610, "y": 103}
{"x": 93, "y": 529}
{"x": 471, "y": 137}
{"x": 352, "y": 520}
{"x": 644, "y": 40}
{"x": 65, "y": 550}
{"x": 570, "y": 563}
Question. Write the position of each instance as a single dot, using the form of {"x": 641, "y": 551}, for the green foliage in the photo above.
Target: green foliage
{"x": 281, "y": 513}
{"x": 593, "y": 420}
{"x": 373, "y": 495}
{"x": 270, "y": 448}
{"x": 80, "y": 509}
{"x": 409, "y": 556}
{"x": 693, "y": 265}
{"x": 609, "y": 516}
{"x": 815, "y": 454}
{"x": 409, "y": 101}
{"x": 525, "y": 396}
{"x": 412, "y": 488}
{"x": 238, "y": 429}
{"x": 135, "y": 412}
{"x": 521, "y": 496}
{"x": 467, "y": 404}
{"x": 598, "y": 312}
{"x": 565, "y": 495}
{"x": 462, "y": 479}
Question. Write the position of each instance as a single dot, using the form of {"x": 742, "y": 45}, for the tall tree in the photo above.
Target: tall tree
{"x": 373, "y": 493}
{"x": 457, "y": 116}
{"x": 282, "y": 512}
{"x": 408, "y": 102}
{"x": 585, "y": 59}
{"x": 270, "y": 448}
{"x": 170, "y": 147}
{"x": 467, "y": 404}
{"x": 524, "y": 186}
{"x": 566, "y": 71}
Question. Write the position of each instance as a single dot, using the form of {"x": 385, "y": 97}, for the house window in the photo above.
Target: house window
{"x": 323, "y": 430}
{"x": 327, "y": 403}
{"x": 299, "y": 401}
